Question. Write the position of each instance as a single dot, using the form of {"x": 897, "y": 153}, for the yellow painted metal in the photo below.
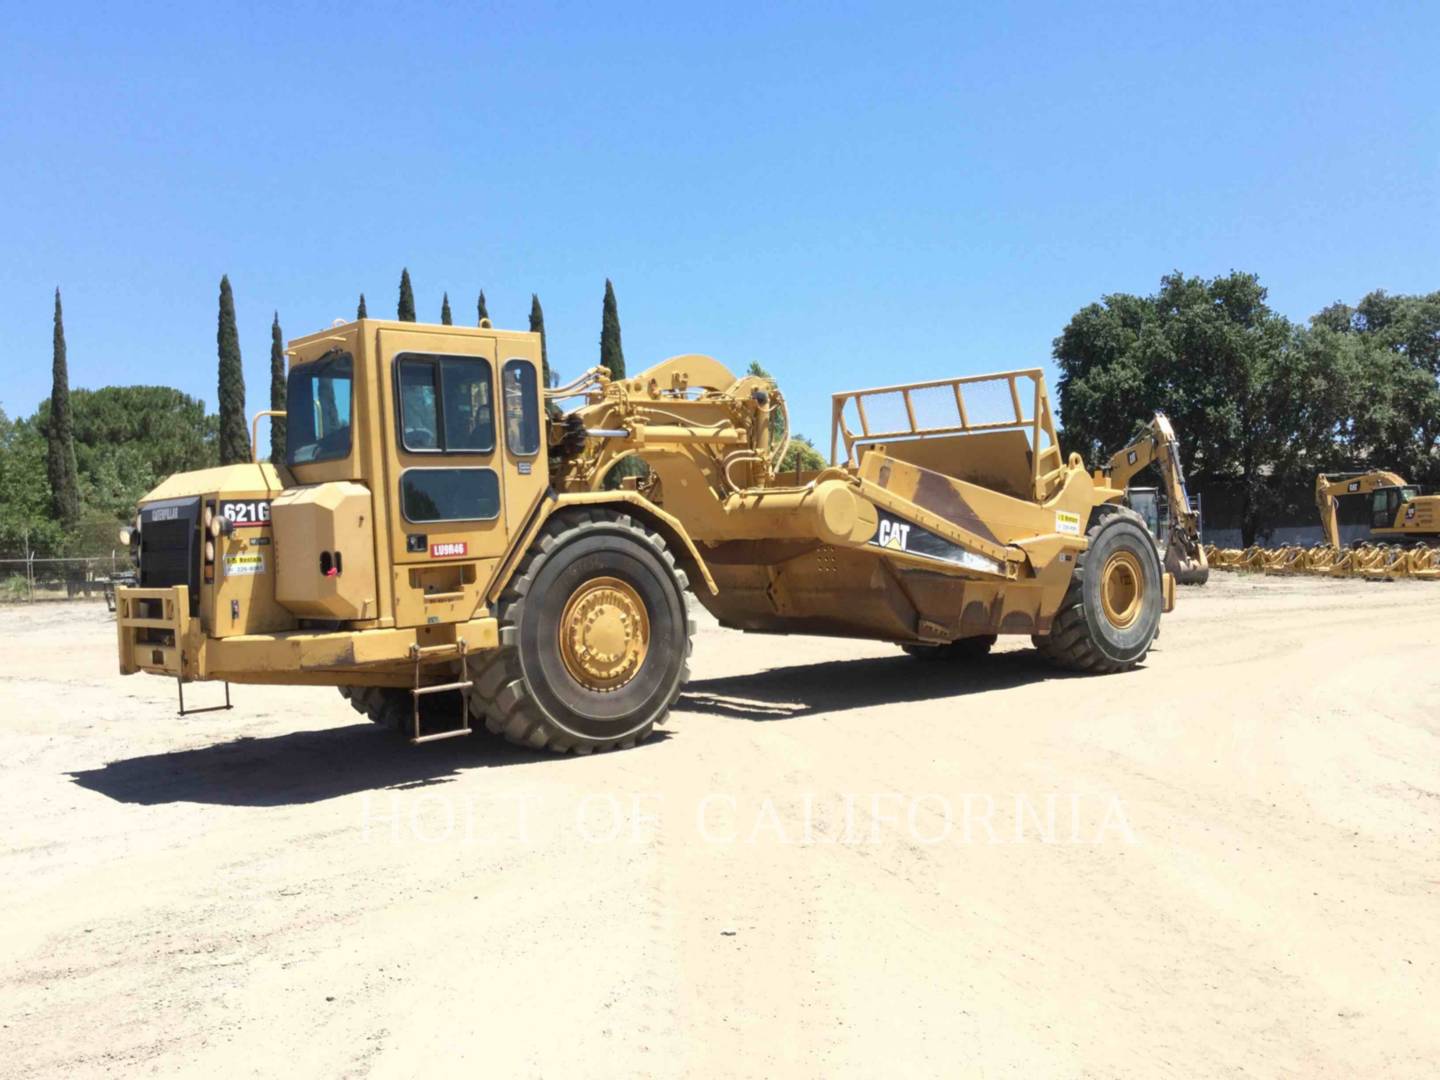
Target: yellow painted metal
{"x": 604, "y": 633}
{"x": 1122, "y": 589}
{"x": 333, "y": 525}
{"x": 931, "y": 528}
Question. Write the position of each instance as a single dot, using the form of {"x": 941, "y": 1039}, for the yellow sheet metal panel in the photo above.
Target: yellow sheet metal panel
{"x": 325, "y": 551}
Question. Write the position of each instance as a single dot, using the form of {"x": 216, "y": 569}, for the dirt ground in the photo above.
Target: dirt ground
{"x": 835, "y": 861}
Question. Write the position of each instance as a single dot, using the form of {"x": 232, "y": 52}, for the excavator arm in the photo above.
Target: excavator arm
{"x": 1329, "y": 490}
{"x": 1159, "y": 446}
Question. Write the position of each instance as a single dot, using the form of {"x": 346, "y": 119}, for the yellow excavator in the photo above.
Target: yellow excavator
{"x": 1158, "y": 446}
{"x": 1399, "y": 514}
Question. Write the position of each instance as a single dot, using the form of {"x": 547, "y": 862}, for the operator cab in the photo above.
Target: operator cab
{"x": 1385, "y": 505}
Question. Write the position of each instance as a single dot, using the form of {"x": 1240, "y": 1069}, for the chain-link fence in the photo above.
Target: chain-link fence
{"x": 94, "y": 577}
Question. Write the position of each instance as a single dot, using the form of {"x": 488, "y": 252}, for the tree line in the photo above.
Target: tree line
{"x": 77, "y": 466}
{"x": 1261, "y": 404}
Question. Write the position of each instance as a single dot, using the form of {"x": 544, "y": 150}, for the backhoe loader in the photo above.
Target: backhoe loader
{"x": 452, "y": 544}
{"x": 1158, "y": 446}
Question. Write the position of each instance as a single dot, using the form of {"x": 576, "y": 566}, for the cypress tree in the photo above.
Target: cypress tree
{"x": 537, "y": 326}
{"x": 405, "y": 312}
{"x": 277, "y": 392}
{"x": 60, "y": 442}
{"x": 360, "y": 311}
{"x": 481, "y": 312}
{"x": 445, "y": 310}
{"x": 234, "y": 439}
{"x": 612, "y": 356}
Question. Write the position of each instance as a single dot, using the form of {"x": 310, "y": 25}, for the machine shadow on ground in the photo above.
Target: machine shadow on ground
{"x": 783, "y": 693}
{"x": 304, "y": 767}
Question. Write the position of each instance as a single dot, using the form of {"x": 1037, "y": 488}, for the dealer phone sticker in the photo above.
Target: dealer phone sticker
{"x": 245, "y": 564}
{"x": 448, "y": 550}
{"x": 1067, "y": 523}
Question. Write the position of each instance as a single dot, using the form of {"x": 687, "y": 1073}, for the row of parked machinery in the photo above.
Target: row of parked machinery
{"x": 1404, "y": 534}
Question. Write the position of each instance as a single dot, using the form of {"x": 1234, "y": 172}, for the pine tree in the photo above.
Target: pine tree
{"x": 612, "y": 356}
{"x": 405, "y": 312}
{"x": 360, "y": 311}
{"x": 445, "y": 310}
{"x": 277, "y": 391}
{"x": 60, "y": 456}
{"x": 234, "y": 439}
{"x": 481, "y": 311}
{"x": 537, "y": 326}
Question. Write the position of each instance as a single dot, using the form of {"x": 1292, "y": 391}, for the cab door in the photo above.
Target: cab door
{"x": 1383, "y": 506}
{"x": 448, "y": 528}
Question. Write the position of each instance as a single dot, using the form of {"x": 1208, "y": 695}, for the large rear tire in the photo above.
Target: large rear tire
{"x": 394, "y": 708}
{"x": 1111, "y": 612}
{"x": 595, "y": 632}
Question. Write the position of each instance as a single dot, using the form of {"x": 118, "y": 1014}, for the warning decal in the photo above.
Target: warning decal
{"x": 1067, "y": 523}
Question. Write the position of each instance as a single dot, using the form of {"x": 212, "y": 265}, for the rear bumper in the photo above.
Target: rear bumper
{"x": 157, "y": 635}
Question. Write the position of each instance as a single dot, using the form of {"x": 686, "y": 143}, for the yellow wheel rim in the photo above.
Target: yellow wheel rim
{"x": 604, "y": 634}
{"x": 1122, "y": 589}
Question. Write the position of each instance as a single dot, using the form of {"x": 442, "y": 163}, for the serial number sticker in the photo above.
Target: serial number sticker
{"x": 244, "y": 513}
{"x": 245, "y": 565}
{"x": 1067, "y": 523}
{"x": 448, "y": 551}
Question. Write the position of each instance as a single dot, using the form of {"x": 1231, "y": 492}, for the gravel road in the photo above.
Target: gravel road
{"x": 835, "y": 861}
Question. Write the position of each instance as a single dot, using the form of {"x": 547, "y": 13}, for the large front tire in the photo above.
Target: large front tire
{"x": 595, "y": 634}
{"x": 1111, "y": 612}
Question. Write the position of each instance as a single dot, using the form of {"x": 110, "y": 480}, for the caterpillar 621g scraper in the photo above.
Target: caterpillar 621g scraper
{"x": 450, "y": 546}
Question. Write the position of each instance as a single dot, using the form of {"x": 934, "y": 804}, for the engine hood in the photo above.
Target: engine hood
{"x": 246, "y": 478}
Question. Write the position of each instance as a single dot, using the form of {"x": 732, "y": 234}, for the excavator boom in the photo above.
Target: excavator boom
{"x": 1159, "y": 446}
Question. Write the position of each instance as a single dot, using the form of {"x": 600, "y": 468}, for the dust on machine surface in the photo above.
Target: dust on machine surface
{"x": 450, "y": 546}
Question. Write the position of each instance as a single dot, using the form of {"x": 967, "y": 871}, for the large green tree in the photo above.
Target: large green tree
{"x": 234, "y": 438}
{"x": 1391, "y": 345}
{"x": 277, "y": 391}
{"x": 405, "y": 309}
{"x": 1254, "y": 400}
{"x": 60, "y": 436}
{"x": 27, "y": 517}
{"x": 537, "y": 326}
{"x": 612, "y": 355}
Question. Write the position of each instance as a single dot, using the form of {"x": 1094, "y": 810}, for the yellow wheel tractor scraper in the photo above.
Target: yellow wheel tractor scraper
{"x": 450, "y": 546}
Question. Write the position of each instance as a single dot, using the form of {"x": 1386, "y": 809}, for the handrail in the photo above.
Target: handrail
{"x": 255, "y": 431}
{"x": 1040, "y": 420}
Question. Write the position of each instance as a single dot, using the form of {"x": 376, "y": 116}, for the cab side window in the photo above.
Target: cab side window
{"x": 445, "y": 404}
{"x": 522, "y": 412}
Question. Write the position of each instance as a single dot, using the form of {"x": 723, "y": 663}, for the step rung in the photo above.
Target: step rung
{"x": 416, "y": 740}
{"x": 450, "y": 648}
{"x": 441, "y": 687}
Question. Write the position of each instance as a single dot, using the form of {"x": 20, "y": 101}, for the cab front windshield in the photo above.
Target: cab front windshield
{"x": 317, "y": 409}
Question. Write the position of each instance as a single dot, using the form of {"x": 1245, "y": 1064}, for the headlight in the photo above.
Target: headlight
{"x": 209, "y": 550}
{"x": 125, "y": 534}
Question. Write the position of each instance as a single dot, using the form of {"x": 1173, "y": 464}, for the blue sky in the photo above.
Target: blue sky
{"x": 849, "y": 194}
